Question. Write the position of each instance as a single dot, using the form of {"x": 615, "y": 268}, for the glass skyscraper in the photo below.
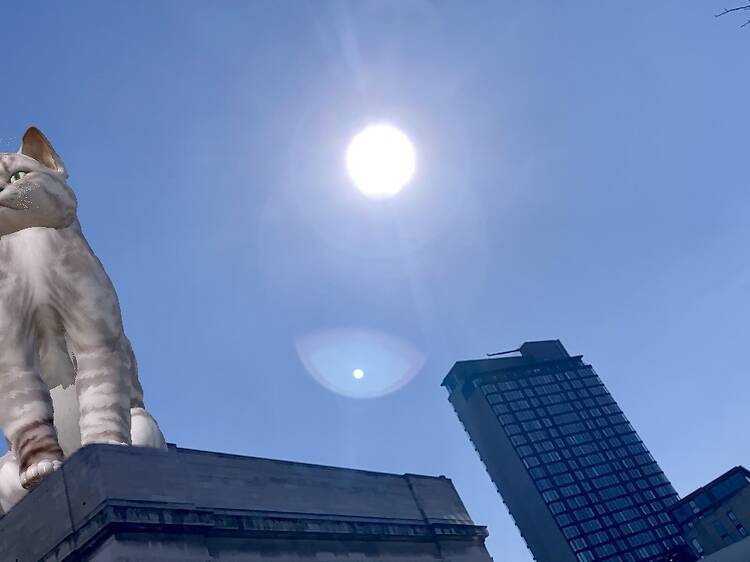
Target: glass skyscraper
{"x": 576, "y": 478}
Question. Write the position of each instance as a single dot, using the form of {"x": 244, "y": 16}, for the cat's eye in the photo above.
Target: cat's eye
{"x": 17, "y": 176}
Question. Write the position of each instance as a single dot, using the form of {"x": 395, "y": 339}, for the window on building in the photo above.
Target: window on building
{"x": 591, "y": 525}
{"x": 550, "y": 495}
{"x": 619, "y": 503}
{"x": 571, "y": 490}
{"x": 557, "y": 467}
{"x": 525, "y": 415}
{"x": 598, "y": 538}
{"x": 572, "y": 428}
{"x": 512, "y": 429}
{"x": 604, "y": 481}
{"x": 525, "y": 451}
{"x": 697, "y": 546}
{"x": 518, "y": 440}
{"x": 537, "y": 436}
{"x": 568, "y": 417}
{"x": 669, "y": 501}
{"x": 658, "y": 479}
{"x": 552, "y": 456}
{"x": 563, "y": 479}
{"x": 531, "y": 425}
{"x": 544, "y": 446}
{"x": 741, "y": 530}
{"x": 576, "y": 502}
{"x": 728, "y": 486}
{"x": 557, "y": 507}
{"x": 507, "y": 385}
{"x": 519, "y": 405}
{"x": 559, "y": 408}
{"x": 578, "y": 544}
{"x": 664, "y": 491}
{"x": 537, "y": 472}
{"x": 612, "y": 492}
{"x": 605, "y": 550}
{"x": 731, "y": 515}
{"x": 583, "y": 514}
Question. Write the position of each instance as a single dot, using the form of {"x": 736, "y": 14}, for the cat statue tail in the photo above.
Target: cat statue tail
{"x": 11, "y": 490}
{"x": 144, "y": 430}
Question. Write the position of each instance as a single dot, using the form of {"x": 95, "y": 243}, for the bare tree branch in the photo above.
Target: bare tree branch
{"x": 736, "y": 9}
{"x": 730, "y": 10}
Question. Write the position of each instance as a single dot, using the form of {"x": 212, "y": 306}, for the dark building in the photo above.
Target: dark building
{"x": 578, "y": 481}
{"x": 717, "y": 516}
{"x": 131, "y": 504}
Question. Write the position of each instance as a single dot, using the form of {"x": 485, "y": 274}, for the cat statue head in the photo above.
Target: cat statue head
{"x": 33, "y": 187}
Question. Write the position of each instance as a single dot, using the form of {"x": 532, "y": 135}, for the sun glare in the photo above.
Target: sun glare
{"x": 380, "y": 160}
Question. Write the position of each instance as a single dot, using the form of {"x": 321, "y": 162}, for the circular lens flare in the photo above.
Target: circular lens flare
{"x": 381, "y": 161}
{"x": 339, "y": 359}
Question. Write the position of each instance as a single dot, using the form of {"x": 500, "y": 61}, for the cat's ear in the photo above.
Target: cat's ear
{"x": 36, "y": 145}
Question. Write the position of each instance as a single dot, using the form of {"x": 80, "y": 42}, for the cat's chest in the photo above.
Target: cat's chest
{"x": 31, "y": 256}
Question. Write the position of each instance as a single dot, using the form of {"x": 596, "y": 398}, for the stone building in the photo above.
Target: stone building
{"x": 716, "y": 517}
{"x": 127, "y": 504}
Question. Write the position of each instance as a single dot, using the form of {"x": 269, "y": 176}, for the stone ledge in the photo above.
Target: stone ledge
{"x": 104, "y": 492}
{"x": 114, "y": 517}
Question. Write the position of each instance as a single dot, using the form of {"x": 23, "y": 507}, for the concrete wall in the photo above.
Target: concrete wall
{"x": 737, "y": 552}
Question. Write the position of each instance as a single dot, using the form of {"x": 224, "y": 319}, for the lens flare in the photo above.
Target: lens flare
{"x": 339, "y": 359}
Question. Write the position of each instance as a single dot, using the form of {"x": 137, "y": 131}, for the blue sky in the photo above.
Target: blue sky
{"x": 581, "y": 175}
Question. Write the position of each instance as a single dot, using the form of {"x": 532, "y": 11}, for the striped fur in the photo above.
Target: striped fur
{"x": 60, "y": 319}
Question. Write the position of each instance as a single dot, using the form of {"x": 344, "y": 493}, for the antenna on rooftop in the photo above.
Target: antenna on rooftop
{"x": 503, "y": 352}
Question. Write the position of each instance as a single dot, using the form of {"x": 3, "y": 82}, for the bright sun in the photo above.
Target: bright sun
{"x": 380, "y": 160}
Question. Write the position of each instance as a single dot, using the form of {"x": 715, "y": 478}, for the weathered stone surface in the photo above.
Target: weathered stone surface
{"x": 136, "y": 504}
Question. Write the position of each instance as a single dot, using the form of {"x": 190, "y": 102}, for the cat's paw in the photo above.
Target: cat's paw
{"x": 37, "y": 472}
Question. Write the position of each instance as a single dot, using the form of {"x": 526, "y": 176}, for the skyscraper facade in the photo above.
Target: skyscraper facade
{"x": 578, "y": 481}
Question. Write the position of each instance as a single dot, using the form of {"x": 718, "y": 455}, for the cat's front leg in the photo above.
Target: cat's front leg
{"x": 90, "y": 313}
{"x": 103, "y": 390}
{"x": 26, "y": 412}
